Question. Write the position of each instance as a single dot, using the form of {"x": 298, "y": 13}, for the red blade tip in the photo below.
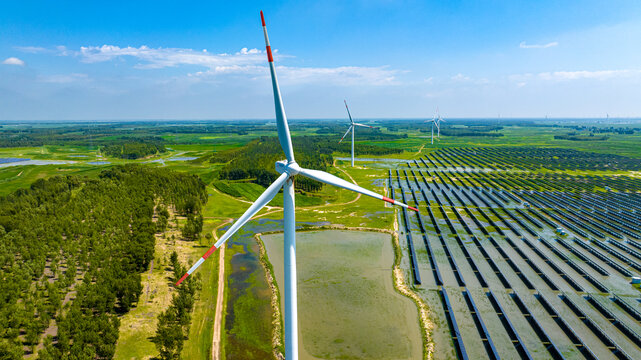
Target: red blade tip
{"x": 211, "y": 250}
{"x": 262, "y": 18}
{"x": 412, "y": 208}
{"x": 182, "y": 279}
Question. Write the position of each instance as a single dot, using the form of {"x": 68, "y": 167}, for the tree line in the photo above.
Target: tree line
{"x": 173, "y": 324}
{"x": 255, "y": 161}
{"x": 71, "y": 252}
{"x": 81, "y": 134}
{"x": 134, "y": 149}
{"x": 581, "y": 137}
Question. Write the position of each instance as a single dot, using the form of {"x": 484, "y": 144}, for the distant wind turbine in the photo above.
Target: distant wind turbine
{"x": 434, "y": 121}
{"x": 288, "y": 169}
{"x": 439, "y": 119}
{"x": 352, "y": 128}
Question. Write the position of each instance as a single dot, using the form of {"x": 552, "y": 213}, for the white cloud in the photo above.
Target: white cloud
{"x": 343, "y": 75}
{"x": 244, "y": 62}
{"x": 63, "y": 78}
{"x": 460, "y": 77}
{"x": 576, "y": 75}
{"x": 523, "y": 45}
{"x": 13, "y": 61}
{"x": 58, "y": 50}
{"x": 157, "y": 58}
{"x": 32, "y": 49}
{"x": 63, "y": 51}
{"x": 583, "y": 74}
{"x": 248, "y": 62}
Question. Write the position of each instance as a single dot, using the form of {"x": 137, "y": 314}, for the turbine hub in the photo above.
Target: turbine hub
{"x": 291, "y": 168}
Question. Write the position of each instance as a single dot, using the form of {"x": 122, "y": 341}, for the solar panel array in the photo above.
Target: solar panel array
{"x": 522, "y": 264}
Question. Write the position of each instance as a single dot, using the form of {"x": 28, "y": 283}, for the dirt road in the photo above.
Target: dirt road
{"x": 218, "y": 317}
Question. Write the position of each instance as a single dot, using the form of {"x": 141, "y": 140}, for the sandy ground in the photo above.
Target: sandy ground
{"x": 218, "y": 319}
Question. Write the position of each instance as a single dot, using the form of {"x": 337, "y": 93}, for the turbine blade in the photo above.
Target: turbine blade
{"x": 281, "y": 119}
{"x": 348, "y": 130}
{"x": 336, "y": 181}
{"x": 363, "y": 125}
{"x": 262, "y": 200}
{"x": 350, "y": 115}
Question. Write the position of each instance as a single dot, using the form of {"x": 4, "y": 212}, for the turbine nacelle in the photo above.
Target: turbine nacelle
{"x": 284, "y": 166}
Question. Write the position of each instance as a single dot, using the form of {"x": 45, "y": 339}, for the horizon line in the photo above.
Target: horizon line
{"x": 320, "y": 118}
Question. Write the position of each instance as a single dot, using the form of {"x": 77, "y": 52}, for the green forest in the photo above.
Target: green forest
{"x": 255, "y": 161}
{"x": 71, "y": 252}
{"x": 132, "y": 150}
{"x": 26, "y": 134}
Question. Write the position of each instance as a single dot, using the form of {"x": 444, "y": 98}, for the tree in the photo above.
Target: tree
{"x": 10, "y": 350}
{"x": 193, "y": 227}
{"x": 169, "y": 336}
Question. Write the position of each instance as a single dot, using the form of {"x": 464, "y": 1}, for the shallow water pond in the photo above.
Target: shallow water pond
{"x": 347, "y": 305}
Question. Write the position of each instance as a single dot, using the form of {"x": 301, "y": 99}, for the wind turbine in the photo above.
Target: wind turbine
{"x": 433, "y": 121}
{"x": 439, "y": 119}
{"x": 288, "y": 169}
{"x": 352, "y": 128}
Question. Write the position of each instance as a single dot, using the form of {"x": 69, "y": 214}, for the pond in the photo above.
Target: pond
{"x": 347, "y": 305}
{"x": 24, "y": 162}
{"x": 10, "y": 160}
{"x": 183, "y": 158}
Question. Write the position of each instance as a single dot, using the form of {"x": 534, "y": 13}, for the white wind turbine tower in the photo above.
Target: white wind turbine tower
{"x": 352, "y": 128}
{"x": 438, "y": 122}
{"x": 433, "y": 122}
{"x": 288, "y": 169}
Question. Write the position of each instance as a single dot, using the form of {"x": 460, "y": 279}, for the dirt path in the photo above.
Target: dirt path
{"x": 353, "y": 181}
{"x": 419, "y": 150}
{"x": 275, "y": 209}
{"x": 151, "y": 270}
{"x": 218, "y": 317}
{"x": 215, "y": 347}
{"x": 402, "y": 287}
{"x": 242, "y": 200}
{"x": 358, "y": 196}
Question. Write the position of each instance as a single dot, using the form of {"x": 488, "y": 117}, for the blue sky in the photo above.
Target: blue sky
{"x": 205, "y": 60}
